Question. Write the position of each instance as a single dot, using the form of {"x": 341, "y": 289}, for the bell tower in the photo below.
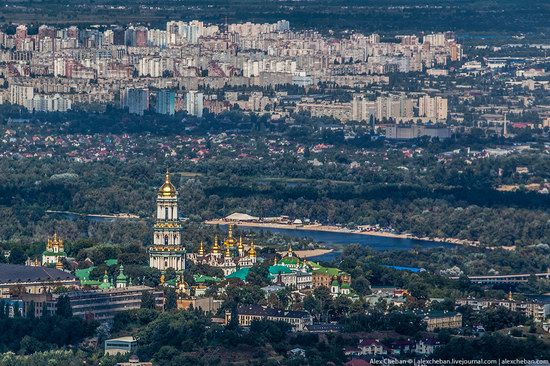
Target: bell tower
{"x": 166, "y": 250}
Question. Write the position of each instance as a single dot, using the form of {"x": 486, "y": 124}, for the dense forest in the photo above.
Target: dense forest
{"x": 29, "y": 188}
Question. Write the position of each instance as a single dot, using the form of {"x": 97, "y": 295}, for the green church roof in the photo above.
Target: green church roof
{"x": 105, "y": 285}
{"x": 240, "y": 274}
{"x": 121, "y": 276}
{"x": 53, "y": 254}
{"x": 275, "y": 270}
{"x": 328, "y": 271}
{"x": 203, "y": 278}
{"x": 290, "y": 260}
{"x": 83, "y": 274}
{"x": 111, "y": 262}
{"x": 314, "y": 265}
{"x": 171, "y": 283}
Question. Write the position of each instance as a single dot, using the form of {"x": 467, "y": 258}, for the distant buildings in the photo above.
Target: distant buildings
{"x": 434, "y": 108}
{"x": 397, "y": 107}
{"x": 166, "y": 102}
{"x": 327, "y": 276}
{"x": 120, "y": 346}
{"x": 49, "y": 103}
{"x": 532, "y": 309}
{"x": 136, "y": 100}
{"x": 59, "y": 67}
{"x": 442, "y": 320}
{"x": 26, "y": 97}
{"x": 20, "y": 94}
{"x": 99, "y": 304}
{"x": 247, "y": 314}
{"x": 194, "y": 103}
{"x": 375, "y": 347}
{"x": 407, "y": 132}
{"x": 34, "y": 280}
{"x": 363, "y": 109}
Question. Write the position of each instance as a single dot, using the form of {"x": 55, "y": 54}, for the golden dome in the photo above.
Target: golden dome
{"x": 230, "y": 241}
{"x": 53, "y": 242}
{"x": 241, "y": 245}
{"x": 216, "y": 246}
{"x": 252, "y": 251}
{"x": 167, "y": 189}
{"x": 201, "y": 250}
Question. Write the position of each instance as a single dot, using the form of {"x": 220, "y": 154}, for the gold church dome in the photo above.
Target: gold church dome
{"x": 252, "y": 251}
{"x": 230, "y": 241}
{"x": 216, "y": 247}
{"x": 167, "y": 189}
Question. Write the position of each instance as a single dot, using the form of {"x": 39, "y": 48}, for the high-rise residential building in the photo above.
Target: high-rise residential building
{"x": 46, "y": 31}
{"x": 20, "y": 94}
{"x": 194, "y": 103}
{"x": 140, "y": 36}
{"x": 283, "y": 25}
{"x": 136, "y": 100}
{"x": 108, "y": 38}
{"x": 397, "y": 107}
{"x": 118, "y": 36}
{"x": 362, "y": 108}
{"x": 435, "y": 108}
{"x": 166, "y": 102}
{"x": 73, "y": 32}
{"x": 49, "y": 103}
{"x": 20, "y": 35}
{"x": 150, "y": 66}
{"x": 129, "y": 36}
{"x": 435, "y": 40}
{"x": 456, "y": 51}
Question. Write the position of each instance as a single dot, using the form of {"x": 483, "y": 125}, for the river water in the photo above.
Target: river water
{"x": 331, "y": 239}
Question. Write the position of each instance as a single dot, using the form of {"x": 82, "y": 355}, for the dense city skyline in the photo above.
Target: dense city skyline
{"x": 288, "y": 183}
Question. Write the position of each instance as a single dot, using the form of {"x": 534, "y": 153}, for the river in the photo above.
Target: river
{"x": 336, "y": 240}
{"x": 329, "y": 239}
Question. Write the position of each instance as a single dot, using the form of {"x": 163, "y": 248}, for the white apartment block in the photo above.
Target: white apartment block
{"x": 20, "y": 94}
{"x": 194, "y": 102}
{"x": 434, "y": 108}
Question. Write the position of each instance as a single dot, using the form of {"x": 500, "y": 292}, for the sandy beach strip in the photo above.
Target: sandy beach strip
{"x": 308, "y": 253}
{"x": 336, "y": 229}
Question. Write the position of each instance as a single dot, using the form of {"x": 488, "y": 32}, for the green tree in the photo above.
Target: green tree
{"x": 147, "y": 300}
{"x": 171, "y": 299}
{"x": 258, "y": 275}
{"x": 17, "y": 256}
{"x": 64, "y": 308}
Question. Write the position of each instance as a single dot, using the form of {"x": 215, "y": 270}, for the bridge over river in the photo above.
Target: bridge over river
{"x": 511, "y": 278}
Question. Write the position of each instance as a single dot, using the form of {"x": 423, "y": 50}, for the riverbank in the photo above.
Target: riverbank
{"x": 309, "y": 253}
{"x": 337, "y": 229}
{"x": 124, "y": 216}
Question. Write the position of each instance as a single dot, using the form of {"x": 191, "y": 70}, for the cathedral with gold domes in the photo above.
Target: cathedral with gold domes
{"x": 55, "y": 251}
{"x": 229, "y": 257}
{"x": 166, "y": 250}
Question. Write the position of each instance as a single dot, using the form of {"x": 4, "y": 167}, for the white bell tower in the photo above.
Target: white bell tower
{"x": 166, "y": 250}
